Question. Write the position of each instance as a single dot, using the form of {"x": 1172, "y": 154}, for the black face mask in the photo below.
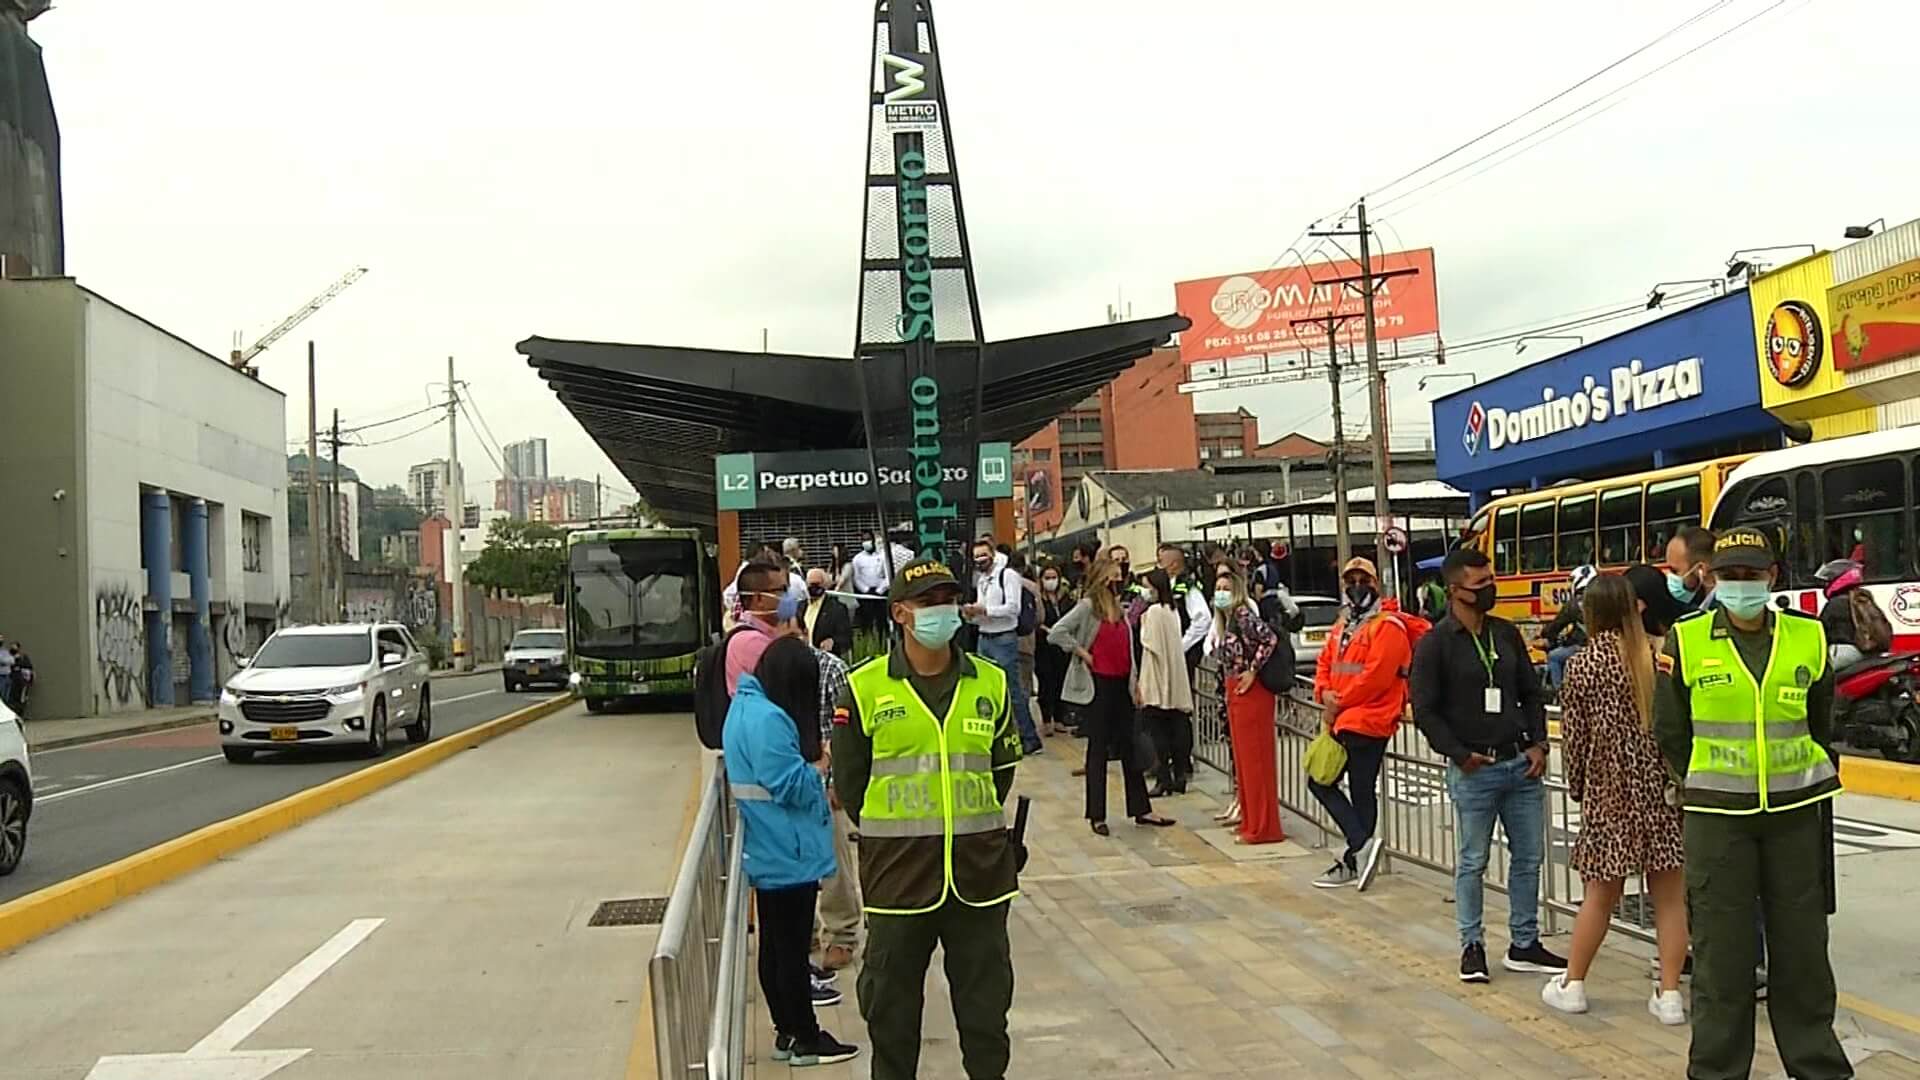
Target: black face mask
{"x": 983, "y": 564}
{"x": 816, "y": 590}
{"x": 1484, "y": 598}
{"x": 1360, "y": 596}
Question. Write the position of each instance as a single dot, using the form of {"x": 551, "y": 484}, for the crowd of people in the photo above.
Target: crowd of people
{"x": 16, "y": 676}
{"x": 1697, "y": 742}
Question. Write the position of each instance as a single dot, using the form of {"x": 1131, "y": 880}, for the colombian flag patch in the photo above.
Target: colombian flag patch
{"x": 1664, "y": 663}
{"x": 842, "y": 716}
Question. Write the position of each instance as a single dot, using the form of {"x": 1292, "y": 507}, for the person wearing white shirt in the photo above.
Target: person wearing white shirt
{"x": 796, "y": 585}
{"x": 1191, "y": 602}
{"x": 997, "y": 594}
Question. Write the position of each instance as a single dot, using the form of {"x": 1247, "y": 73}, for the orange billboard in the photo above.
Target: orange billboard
{"x": 1251, "y": 314}
{"x": 1876, "y": 318}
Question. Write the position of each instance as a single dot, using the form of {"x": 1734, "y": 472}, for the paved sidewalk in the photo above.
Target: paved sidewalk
{"x": 52, "y": 734}
{"x": 1170, "y": 952}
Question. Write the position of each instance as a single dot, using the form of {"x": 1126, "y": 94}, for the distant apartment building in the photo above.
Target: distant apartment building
{"x": 525, "y": 482}
{"x": 427, "y": 483}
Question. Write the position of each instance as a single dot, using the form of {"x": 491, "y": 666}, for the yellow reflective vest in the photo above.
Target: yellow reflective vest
{"x": 1752, "y": 750}
{"x": 930, "y": 793}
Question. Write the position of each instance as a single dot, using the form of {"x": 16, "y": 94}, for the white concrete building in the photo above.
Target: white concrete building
{"x": 146, "y": 486}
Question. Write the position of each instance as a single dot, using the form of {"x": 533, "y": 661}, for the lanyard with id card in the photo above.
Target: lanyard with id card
{"x": 1489, "y": 655}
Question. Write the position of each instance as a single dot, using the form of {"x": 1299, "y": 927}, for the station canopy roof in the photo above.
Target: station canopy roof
{"x": 662, "y": 413}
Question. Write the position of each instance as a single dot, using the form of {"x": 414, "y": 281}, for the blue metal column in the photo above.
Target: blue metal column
{"x": 1661, "y": 459}
{"x": 156, "y": 550}
{"x": 200, "y": 578}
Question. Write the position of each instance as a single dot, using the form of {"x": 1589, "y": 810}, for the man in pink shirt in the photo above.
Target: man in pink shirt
{"x": 762, "y": 586}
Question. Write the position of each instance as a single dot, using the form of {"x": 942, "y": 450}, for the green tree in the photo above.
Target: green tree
{"x": 522, "y": 558}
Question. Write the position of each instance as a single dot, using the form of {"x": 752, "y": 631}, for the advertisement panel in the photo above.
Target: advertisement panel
{"x": 1793, "y": 344}
{"x": 772, "y": 481}
{"x": 1875, "y": 318}
{"x": 1251, "y": 314}
{"x": 1683, "y": 380}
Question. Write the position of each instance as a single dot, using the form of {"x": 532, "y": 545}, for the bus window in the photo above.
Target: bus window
{"x": 1505, "y": 544}
{"x": 1536, "y": 538}
{"x": 1470, "y": 536}
{"x": 1576, "y": 531}
{"x": 1759, "y": 502}
{"x": 1866, "y": 516}
{"x": 1620, "y": 526}
{"x": 1672, "y": 505}
{"x": 1806, "y": 532}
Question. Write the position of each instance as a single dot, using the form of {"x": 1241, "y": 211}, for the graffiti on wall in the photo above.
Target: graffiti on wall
{"x": 369, "y": 606}
{"x": 120, "y": 636}
{"x": 423, "y": 605}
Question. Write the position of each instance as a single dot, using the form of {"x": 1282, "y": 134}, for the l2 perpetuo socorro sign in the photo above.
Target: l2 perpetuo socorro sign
{"x": 1630, "y": 388}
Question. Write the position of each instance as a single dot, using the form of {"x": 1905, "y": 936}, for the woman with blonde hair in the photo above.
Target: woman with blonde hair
{"x": 1241, "y": 641}
{"x": 1100, "y": 680}
{"x": 1628, "y": 825}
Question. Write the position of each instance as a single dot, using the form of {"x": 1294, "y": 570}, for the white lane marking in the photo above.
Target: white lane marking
{"x": 91, "y": 743}
{"x": 50, "y": 796}
{"x": 254, "y": 1013}
{"x": 466, "y": 697}
{"x": 214, "y": 1057}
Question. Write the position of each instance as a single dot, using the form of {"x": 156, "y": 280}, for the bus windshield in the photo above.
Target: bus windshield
{"x": 634, "y": 599}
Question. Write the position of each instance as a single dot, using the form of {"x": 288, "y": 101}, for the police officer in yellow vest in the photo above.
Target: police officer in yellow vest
{"x": 1742, "y": 713}
{"x": 926, "y": 734}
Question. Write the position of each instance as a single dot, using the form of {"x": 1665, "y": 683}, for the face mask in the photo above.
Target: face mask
{"x": 1051, "y": 584}
{"x": 1126, "y": 571}
{"x": 1677, "y": 585}
{"x": 1859, "y": 535}
{"x": 984, "y": 564}
{"x": 935, "y": 626}
{"x": 1747, "y": 599}
{"x": 788, "y": 609}
{"x": 816, "y": 591}
{"x": 1361, "y": 596}
{"x": 1483, "y": 598}
{"x": 1222, "y": 599}
{"x": 866, "y": 545}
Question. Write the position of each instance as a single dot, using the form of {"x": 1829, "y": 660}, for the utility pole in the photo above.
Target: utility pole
{"x": 1342, "y": 535}
{"x": 314, "y": 550}
{"x": 456, "y": 518}
{"x": 335, "y": 549}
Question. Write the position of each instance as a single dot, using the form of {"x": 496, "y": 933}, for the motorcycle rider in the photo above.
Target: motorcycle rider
{"x": 1856, "y": 627}
{"x": 1567, "y": 633}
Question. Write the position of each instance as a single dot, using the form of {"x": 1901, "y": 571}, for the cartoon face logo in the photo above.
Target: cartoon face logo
{"x": 1476, "y": 423}
{"x": 1794, "y": 342}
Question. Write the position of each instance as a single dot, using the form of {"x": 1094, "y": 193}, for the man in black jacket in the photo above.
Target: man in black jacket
{"x": 829, "y": 623}
{"x": 1478, "y": 703}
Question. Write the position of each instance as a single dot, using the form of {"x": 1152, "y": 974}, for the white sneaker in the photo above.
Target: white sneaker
{"x": 1369, "y": 862}
{"x": 1668, "y": 1007}
{"x": 1567, "y": 996}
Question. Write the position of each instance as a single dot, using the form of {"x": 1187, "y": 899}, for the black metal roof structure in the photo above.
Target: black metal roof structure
{"x": 662, "y": 413}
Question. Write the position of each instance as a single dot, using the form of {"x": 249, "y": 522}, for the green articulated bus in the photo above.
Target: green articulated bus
{"x": 640, "y": 604}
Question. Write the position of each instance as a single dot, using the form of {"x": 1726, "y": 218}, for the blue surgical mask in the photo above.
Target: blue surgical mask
{"x": 935, "y": 626}
{"x": 1222, "y": 599}
{"x": 1747, "y": 599}
{"x": 1677, "y": 585}
{"x": 866, "y": 545}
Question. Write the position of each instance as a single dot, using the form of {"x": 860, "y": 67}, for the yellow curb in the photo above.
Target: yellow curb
{"x": 37, "y": 913}
{"x": 1877, "y": 777}
{"x": 1891, "y": 1017}
{"x": 643, "y": 1060}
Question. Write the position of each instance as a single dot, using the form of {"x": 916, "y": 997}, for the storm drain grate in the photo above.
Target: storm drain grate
{"x": 642, "y": 911}
{"x": 1163, "y": 913}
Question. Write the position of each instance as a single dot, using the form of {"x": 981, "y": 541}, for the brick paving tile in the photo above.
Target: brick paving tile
{"x": 1152, "y": 954}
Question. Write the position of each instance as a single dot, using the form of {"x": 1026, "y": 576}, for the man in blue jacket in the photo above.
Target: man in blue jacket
{"x": 782, "y": 797}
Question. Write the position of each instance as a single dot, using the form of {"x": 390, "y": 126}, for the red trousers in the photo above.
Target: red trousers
{"x": 1250, "y": 724}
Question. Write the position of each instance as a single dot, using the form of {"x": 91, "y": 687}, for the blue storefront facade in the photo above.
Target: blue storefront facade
{"x": 1682, "y": 388}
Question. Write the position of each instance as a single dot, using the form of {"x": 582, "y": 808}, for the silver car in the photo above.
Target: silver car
{"x": 1319, "y": 613}
{"x": 16, "y": 791}
{"x": 328, "y": 686}
{"x": 536, "y": 656}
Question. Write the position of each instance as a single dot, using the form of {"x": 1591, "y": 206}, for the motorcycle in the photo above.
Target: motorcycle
{"x": 1874, "y": 706}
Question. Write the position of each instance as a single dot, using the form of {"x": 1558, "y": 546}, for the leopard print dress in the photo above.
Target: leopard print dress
{"x": 1614, "y": 771}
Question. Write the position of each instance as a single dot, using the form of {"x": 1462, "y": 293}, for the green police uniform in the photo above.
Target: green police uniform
{"x": 934, "y": 759}
{"x": 1743, "y": 718}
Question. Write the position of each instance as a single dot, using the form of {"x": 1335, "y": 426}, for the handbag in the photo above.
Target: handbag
{"x": 1325, "y": 759}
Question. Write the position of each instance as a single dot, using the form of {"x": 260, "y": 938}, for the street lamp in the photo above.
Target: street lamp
{"x": 1861, "y": 232}
{"x": 1471, "y": 377}
{"x": 1520, "y": 346}
{"x": 1736, "y": 265}
{"x": 1657, "y": 295}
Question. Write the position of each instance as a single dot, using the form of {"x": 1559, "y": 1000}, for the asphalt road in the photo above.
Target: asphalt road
{"x": 103, "y": 801}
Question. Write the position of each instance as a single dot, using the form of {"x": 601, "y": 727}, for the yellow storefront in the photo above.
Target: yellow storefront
{"x": 1836, "y": 336}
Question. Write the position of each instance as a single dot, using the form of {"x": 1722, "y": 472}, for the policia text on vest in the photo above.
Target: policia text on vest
{"x": 1743, "y": 718}
{"x": 924, "y": 749}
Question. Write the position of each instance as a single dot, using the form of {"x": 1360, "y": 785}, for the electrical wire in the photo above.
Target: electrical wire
{"x": 396, "y": 438}
{"x": 1512, "y": 120}
{"x": 483, "y": 442}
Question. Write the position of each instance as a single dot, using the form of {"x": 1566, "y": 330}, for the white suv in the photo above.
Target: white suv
{"x": 16, "y": 791}
{"x": 328, "y": 686}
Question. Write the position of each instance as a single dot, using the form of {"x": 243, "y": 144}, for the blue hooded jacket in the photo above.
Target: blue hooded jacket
{"x": 782, "y": 798}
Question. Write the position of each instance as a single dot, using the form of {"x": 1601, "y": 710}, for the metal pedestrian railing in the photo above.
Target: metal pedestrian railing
{"x": 698, "y": 974}
{"x": 1416, "y": 811}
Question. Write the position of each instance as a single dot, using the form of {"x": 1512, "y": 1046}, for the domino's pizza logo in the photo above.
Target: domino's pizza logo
{"x": 1476, "y": 423}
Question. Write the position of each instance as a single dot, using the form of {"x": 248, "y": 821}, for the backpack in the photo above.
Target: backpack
{"x": 710, "y": 698}
{"x": 1029, "y": 609}
{"x": 1871, "y": 631}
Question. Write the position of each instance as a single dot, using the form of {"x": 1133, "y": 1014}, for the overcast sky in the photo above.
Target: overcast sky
{"x": 670, "y": 173}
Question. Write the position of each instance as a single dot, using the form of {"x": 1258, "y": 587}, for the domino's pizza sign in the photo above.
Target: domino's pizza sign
{"x": 1476, "y": 423}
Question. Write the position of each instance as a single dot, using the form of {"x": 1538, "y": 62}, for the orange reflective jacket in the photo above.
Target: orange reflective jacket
{"x": 1369, "y": 674}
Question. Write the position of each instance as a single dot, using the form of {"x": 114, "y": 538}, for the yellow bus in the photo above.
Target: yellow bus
{"x": 1537, "y": 538}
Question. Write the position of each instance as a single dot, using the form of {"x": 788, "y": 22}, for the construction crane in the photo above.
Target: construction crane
{"x": 243, "y": 358}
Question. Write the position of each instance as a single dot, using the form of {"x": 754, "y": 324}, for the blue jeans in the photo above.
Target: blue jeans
{"x": 1557, "y": 663}
{"x": 1498, "y": 792}
{"x": 1004, "y": 650}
